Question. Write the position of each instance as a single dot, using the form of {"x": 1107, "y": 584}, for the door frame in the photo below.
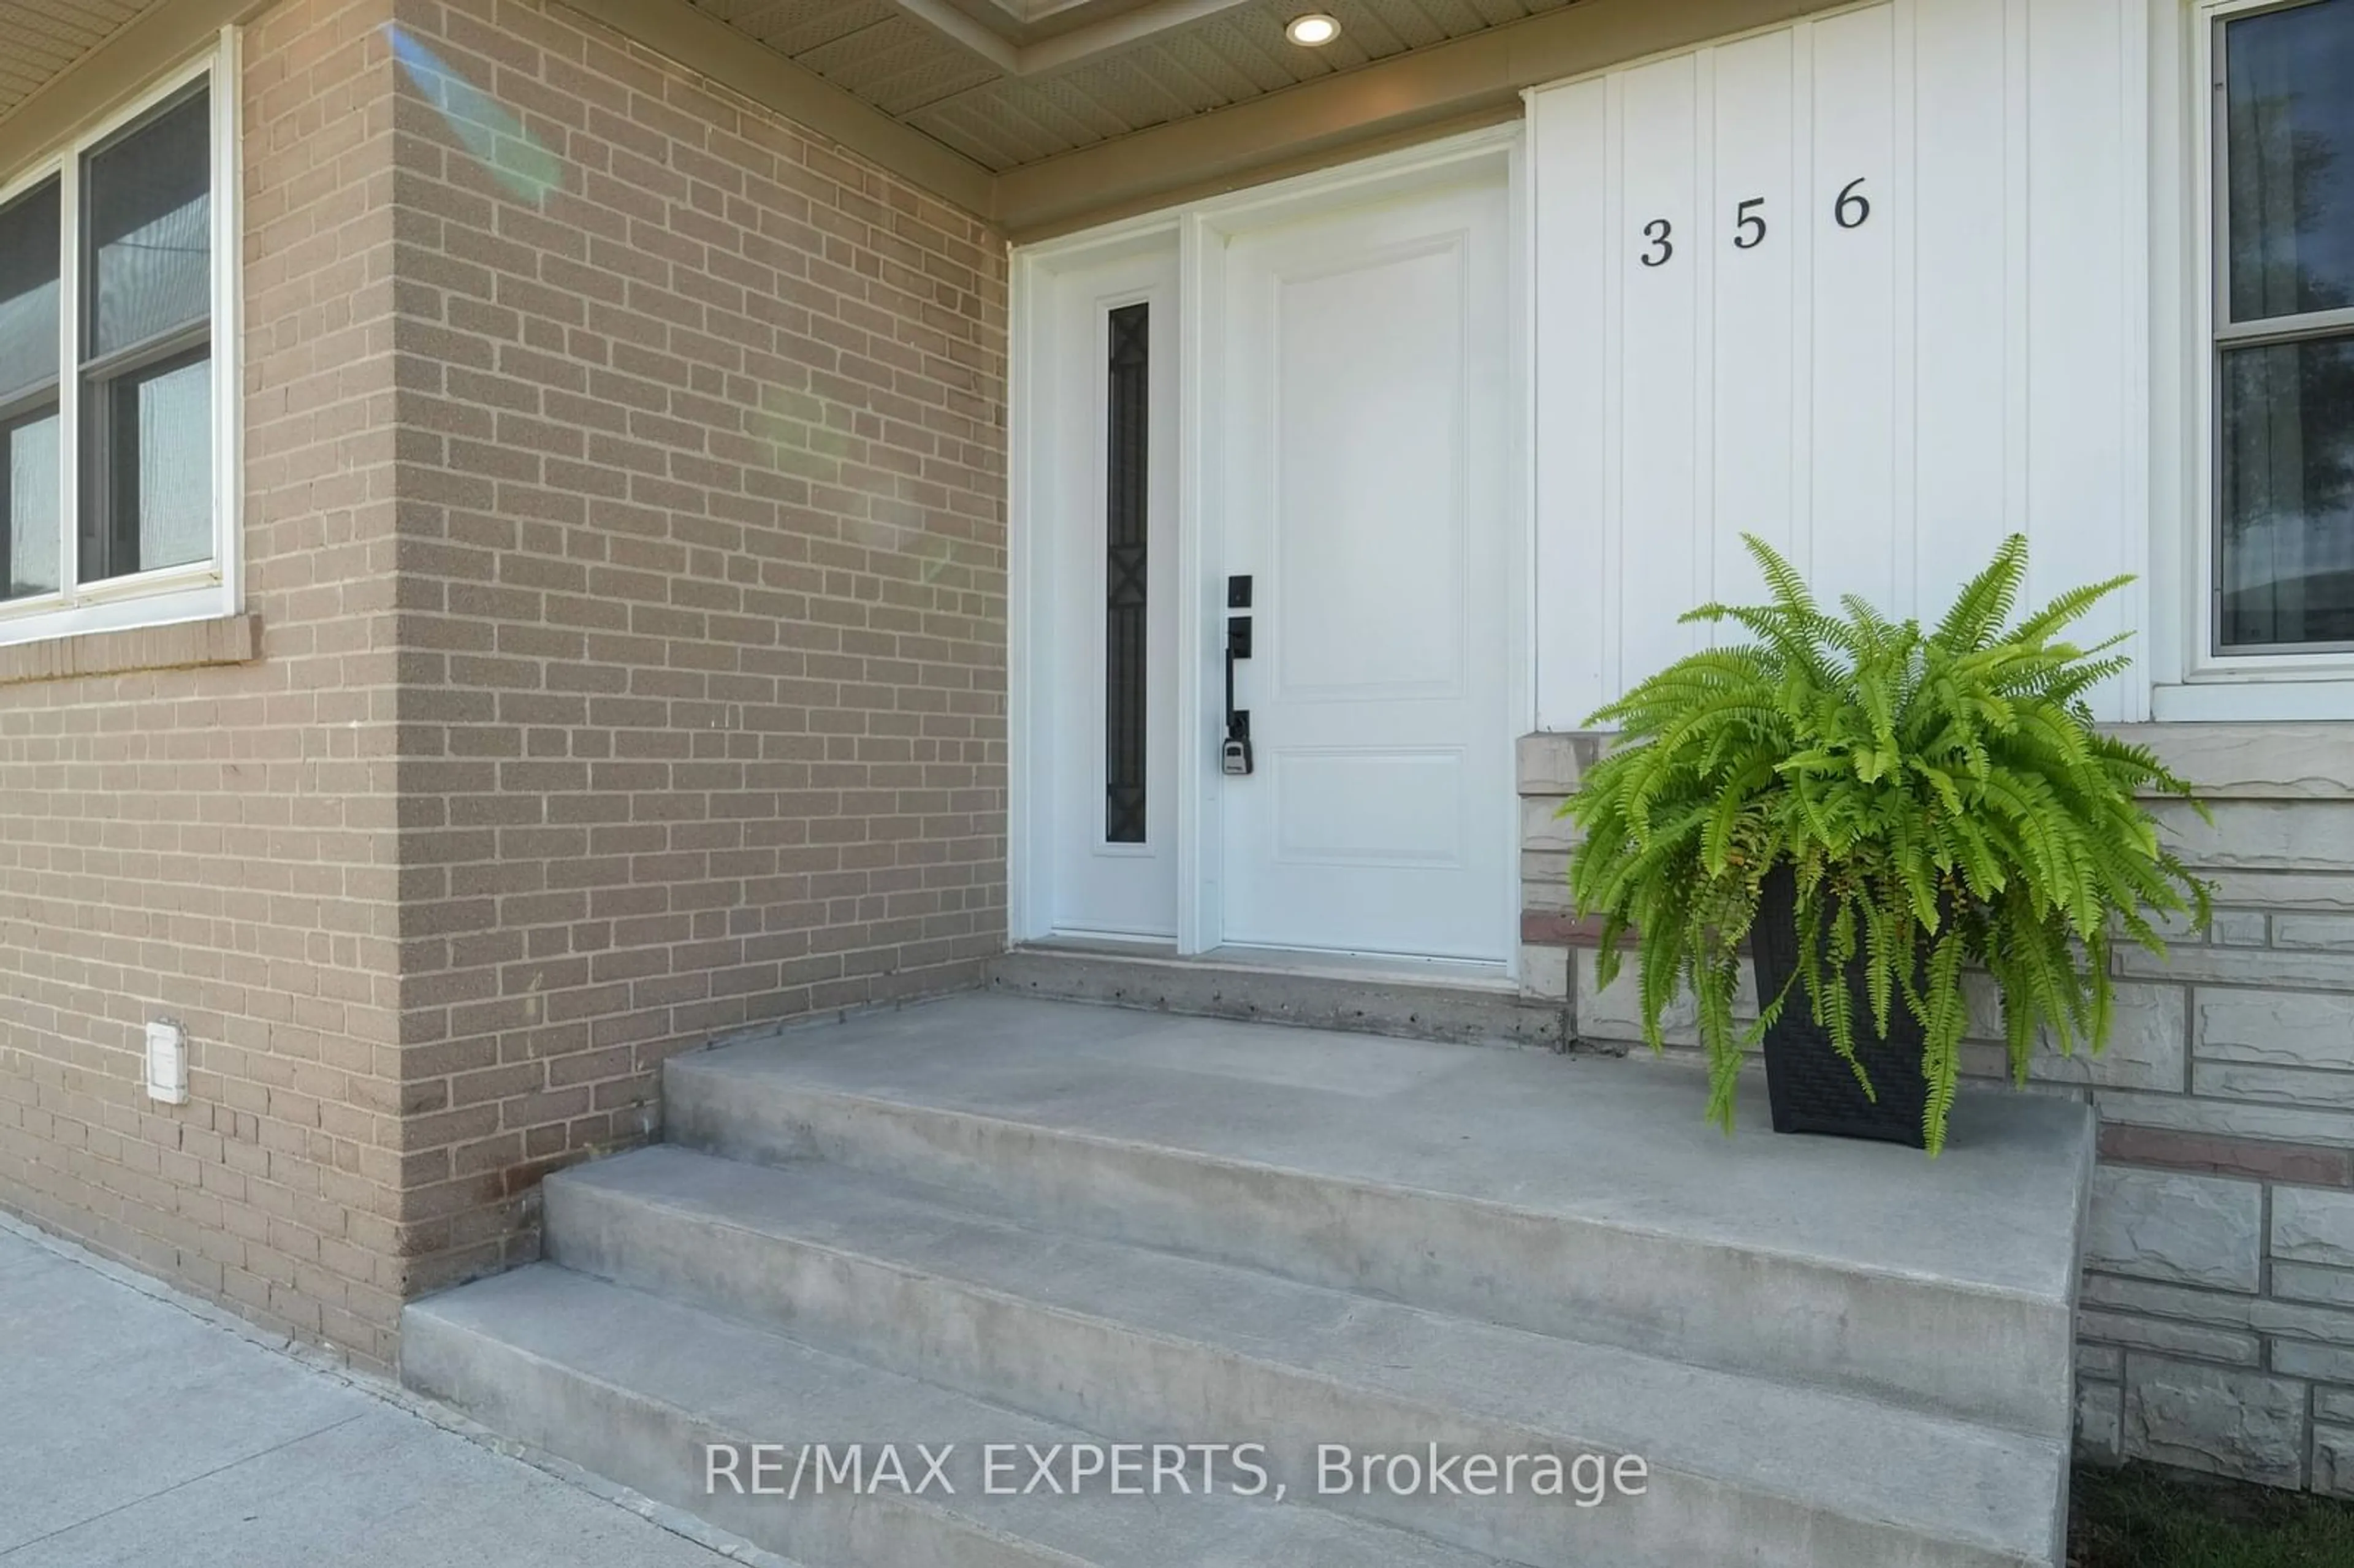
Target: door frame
{"x": 1200, "y": 233}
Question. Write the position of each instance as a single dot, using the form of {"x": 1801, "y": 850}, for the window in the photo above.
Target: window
{"x": 146, "y": 342}
{"x": 1125, "y": 421}
{"x": 2285, "y": 330}
{"x": 30, "y": 518}
{"x": 117, "y": 499}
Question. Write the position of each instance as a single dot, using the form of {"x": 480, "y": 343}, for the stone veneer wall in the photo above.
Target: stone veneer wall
{"x": 2217, "y": 1329}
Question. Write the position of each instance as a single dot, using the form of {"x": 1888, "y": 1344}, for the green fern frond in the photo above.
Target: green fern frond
{"x": 1986, "y": 600}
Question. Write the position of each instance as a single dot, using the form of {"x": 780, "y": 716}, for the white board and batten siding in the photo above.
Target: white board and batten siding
{"x": 1882, "y": 388}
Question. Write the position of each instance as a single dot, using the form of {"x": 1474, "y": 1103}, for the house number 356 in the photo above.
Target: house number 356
{"x": 1852, "y": 209}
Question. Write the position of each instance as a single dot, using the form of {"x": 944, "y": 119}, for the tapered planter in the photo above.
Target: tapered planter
{"x": 1811, "y": 1086}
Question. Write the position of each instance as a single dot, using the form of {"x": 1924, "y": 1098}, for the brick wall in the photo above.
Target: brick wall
{"x": 2218, "y": 1322}
{"x": 702, "y": 594}
{"x": 215, "y": 845}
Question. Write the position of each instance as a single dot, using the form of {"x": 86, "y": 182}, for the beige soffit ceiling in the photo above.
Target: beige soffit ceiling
{"x": 1011, "y": 82}
{"x": 39, "y": 38}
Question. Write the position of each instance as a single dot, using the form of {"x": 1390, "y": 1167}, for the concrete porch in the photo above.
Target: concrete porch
{"x": 993, "y": 1219}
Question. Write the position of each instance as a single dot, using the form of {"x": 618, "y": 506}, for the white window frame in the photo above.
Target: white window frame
{"x": 201, "y": 589}
{"x": 2284, "y": 684}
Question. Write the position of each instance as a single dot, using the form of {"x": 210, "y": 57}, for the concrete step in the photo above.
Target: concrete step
{"x": 1575, "y": 1197}
{"x": 1415, "y": 1002}
{"x": 634, "y": 1387}
{"x": 1121, "y": 1340}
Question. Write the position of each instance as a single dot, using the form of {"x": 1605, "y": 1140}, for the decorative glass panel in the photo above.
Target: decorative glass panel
{"x": 2288, "y": 494}
{"x": 2290, "y": 160}
{"x": 150, "y": 228}
{"x": 30, "y": 524}
{"x": 29, "y": 242}
{"x": 1125, "y": 653}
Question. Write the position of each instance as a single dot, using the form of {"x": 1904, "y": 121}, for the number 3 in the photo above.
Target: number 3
{"x": 1752, "y": 227}
{"x": 1657, "y": 232}
{"x": 1849, "y": 201}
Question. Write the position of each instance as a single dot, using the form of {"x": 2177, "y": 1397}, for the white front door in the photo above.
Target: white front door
{"x": 1365, "y": 396}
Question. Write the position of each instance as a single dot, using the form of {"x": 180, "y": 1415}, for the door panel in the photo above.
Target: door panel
{"x": 1367, "y": 493}
{"x": 1368, "y": 418}
{"x": 1369, "y": 808}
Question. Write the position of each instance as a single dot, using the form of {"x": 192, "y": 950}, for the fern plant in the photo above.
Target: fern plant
{"x": 1942, "y": 798}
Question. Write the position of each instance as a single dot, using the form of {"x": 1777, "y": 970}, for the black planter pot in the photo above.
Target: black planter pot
{"x": 1810, "y": 1084}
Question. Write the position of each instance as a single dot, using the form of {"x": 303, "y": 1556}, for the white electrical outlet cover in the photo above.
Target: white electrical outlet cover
{"x": 167, "y": 1062}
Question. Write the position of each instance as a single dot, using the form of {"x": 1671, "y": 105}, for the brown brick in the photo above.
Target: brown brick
{"x": 2304, "y": 1164}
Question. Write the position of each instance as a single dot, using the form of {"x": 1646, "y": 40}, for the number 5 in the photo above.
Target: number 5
{"x": 1753, "y": 227}
{"x": 1851, "y": 202}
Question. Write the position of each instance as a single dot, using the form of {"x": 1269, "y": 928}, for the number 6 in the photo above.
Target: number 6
{"x": 1847, "y": 198}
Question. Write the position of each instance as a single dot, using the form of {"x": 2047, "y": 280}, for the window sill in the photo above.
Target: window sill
{"x": 2273, "y": 701}
{"x": 186, "y": 644}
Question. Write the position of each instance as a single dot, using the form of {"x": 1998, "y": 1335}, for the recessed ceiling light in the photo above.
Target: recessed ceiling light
{"x": 1313, "y": 31}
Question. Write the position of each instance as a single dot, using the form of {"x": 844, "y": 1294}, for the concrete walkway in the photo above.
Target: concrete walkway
{"x": 138, "y": 1427}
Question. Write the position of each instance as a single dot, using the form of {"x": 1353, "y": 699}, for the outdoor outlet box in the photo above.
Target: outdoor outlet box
{"x": 167, "y": 1062}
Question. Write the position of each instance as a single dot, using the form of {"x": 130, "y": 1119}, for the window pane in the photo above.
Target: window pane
{"x": 151, "y": 230}
{"x": 1127, "y": 421}
{"x": 2289, "y": 156}
{"x": 28, "y": 508}
{"x": 28, "y": 290}
{"x": 153, "y": 470}
{"x": 2287, "y": 568}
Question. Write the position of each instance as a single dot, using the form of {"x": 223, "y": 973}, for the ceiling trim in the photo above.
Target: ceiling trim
{"x": 942, "y": 17}
{"x": 1017, "y": 48}
{"x": 120, "y": 68}
{"x": 1114, "y": 32}
{"x": 710, "y": 47}
{"x": 1281, "y": 162}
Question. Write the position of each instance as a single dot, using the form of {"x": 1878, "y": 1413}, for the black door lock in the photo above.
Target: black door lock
{"x": 1235, "y": 751}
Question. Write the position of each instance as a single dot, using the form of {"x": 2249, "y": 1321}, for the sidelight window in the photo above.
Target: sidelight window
{"x": 1126, "y": 676}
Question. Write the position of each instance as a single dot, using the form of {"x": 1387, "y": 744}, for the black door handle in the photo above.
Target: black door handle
{"x": 1235, "y": 751}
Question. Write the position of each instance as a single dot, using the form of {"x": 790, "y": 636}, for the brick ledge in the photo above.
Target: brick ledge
{"x": 224, "y": 640}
